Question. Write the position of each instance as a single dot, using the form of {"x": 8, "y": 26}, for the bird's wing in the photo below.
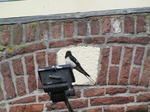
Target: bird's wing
{"x": 72, "y": 58}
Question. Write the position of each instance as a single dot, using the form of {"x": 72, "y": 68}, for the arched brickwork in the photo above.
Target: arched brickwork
{"x": 124, "y": 71}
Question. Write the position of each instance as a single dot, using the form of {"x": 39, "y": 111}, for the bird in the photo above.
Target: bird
{"x": 74, "y": 63}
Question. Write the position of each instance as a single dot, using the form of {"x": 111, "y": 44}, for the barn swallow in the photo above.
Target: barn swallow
{"x": 74, "y": 63}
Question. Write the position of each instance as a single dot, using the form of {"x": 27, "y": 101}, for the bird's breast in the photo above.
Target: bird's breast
{"x": 68, "y": 61}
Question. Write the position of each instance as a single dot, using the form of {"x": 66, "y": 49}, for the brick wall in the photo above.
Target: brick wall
{"x": 124, "y": 70}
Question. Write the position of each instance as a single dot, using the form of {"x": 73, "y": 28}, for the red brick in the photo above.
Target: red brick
{"x": 111, "y": 100}
{"x": 143, "y": 97}
{"x": 3, "y": 109}
{"x": 27, "y": 108}
{"x": 139, "y": 55}
{"x": 64, "y": 43}
{"x": 95, "y": 27}
{"x": 52, "y": 58}
{"x": 1, "y": 94}
{"x": 126, "y": 66}
{"x": 43, "y": 30}
{"x": 137, "y": 108}
{"x": 40, "y": 58}
{"x": 32, "y": 84}
{"x": 106, "y": 26}
{"x": 18, "y": 67}
{"x": 29, "y": 99}
{"x": 68, "y": 29}
{"x": 20, "y": 86}
{"x": 8, "y": 83}
{"x": 93, "y": 92}
{"x": 104, "y": 61}
{"x": 43, "y": 97}
{"x": 17, "y": 34}
{"x": 94, "y": 40}
{"x": 29, "y": 61}
{"x": 113, "y": 91}
{"x": 79, "y": 103}
{"x": 113, "y": 75}
{"x": 77, "y": 95}
{"x": 93, "y": 110}
{"x": 137, "y": 90}
{"x": 114, "y": 109}
{"x": 116, "y": 54}
{"x": 141, "y": 24}
{"x": 24, "y": 49}
{"x": 134, "y": 78}
{"x": 129, "y": 25}
{"x": 145, "y": 75}
{"x": 140, "y": 40}
{"x": 118, "y": 40}
{"x": 5, "y": 37}
{"x": 56, "y": 30}
{"x": 59, "y": 105}
{"x": 82, "y": 28}
{"x": 31, "y": 32}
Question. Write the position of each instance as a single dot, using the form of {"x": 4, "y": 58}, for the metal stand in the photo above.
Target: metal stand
{"x": 69, "y": 106}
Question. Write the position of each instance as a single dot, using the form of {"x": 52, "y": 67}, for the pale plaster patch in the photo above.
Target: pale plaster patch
{"x": 88, "y": 57}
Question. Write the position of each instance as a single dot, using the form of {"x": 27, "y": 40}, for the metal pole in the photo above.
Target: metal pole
{"x": 69, "y": 106}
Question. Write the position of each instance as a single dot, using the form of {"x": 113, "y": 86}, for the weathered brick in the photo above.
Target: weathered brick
{"x": 104, "y": 61}
{"x": 113, "y": 91}
{"x": 134, "y": 77}
{"x": 5, "y": 37}
{"x": 93, "y": 110}
{"x": 20, "y": 86}
{"x": 94, "y": 40}
{"x": 52, "y": 58}
{"x": 141, "y": 24}
{"x": 82, "y": 28}
{"x": 3, "y": 109}
{"x": 1, "y": 94}
{"x": 93, "y": 92}
{"x": 17, "y": 34}
{"x": 126, "y": 66}
{"x": 140, "y": 40}
{"x": 137, "y": 108}
{"x": 24, "y": 49}
{"x": 29, "y": 61}
{"x": 116, "y": 54}
{"x": 68, "y": 29}
{"x": 79, "y": 103}
{"x": 143, "y": 97}
{"x": 114, "y": 109}
{"x": 31, "y": 32}
{"x": 116, "y": 26}
{"x": 29, "y": 99}
{"x": 32, "y": 84}
{"x": 64, "y": 43}
{"x": 40, "y": 58}
{"x": 43, "y": 97}
{"x": 27, "y": 108}
{"x": 56, "y": 30}
{"x": 111, "y": 100}
{"x": 18, "y": 67}
{"x": 139, "y": 55}
{"x": 113, "y": 75}
{"x": 118, "y": 40}
{"x": 59, "y": 105}
{"x": 8, "y": 83}
{"x": 137, "y": 90}
{"x": 106, "y": 25}
{"x": 129, "y": 25}
{"x": 43, "y": 30}
{"x": 95, "y": 27}
{"x": 144, "y": 81}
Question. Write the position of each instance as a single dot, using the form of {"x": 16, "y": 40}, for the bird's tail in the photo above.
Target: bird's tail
{"x": 80, "y": 69}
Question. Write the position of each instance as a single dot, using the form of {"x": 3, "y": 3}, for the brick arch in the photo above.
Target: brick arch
{"x": 123, "y": 81}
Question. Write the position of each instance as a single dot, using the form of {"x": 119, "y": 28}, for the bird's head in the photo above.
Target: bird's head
{"x": 68, "y": 53}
